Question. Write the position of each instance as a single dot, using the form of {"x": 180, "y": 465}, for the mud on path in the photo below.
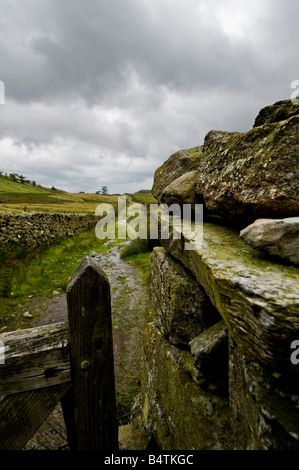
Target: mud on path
{"x": 130, "y": 307}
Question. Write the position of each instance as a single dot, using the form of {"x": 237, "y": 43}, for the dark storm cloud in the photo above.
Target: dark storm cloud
{"x": 63, "y": 49}
{"x": 103, "y": 89}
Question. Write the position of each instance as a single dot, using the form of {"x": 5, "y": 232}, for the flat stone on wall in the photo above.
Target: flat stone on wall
{"x": 257, "y": 299}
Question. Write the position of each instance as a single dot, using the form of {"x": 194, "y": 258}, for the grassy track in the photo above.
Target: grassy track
{"x": 25, "y": 279}
{"x": 22, "y": 274}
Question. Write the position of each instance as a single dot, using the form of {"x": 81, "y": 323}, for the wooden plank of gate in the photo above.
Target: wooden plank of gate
{"x": 34, "y": 358}
{"x": 91, "y": 358}
{"x": 23, "y": 413}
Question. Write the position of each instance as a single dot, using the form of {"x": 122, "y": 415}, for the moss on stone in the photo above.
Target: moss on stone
{"x": 258, "y": 299}
{"x": 174, "y": 403}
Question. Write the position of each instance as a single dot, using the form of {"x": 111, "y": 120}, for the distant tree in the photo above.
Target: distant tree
{"x": 33, "y": 183}
{"x": 105, "y": 190}
{"x": 53, "y": 188}
{"x": 22, "y": 179}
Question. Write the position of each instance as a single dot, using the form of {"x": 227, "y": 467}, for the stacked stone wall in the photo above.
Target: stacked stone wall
{"x": 219, "y": 366}
{"x": 34, "y": 229}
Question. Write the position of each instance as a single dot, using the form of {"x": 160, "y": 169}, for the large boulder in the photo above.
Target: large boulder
{"x": 178, "y": 164}
{"x": 245, "y": 176}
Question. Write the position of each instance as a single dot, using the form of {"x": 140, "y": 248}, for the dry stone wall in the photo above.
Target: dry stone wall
{"x": 34, "y": 229}
{"x": 217, "y": 363}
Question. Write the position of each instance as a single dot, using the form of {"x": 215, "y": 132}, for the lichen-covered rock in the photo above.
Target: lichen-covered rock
{"x": 276, "y": 112}
{"x": 241, "y": 176}
{"x": 245, "y": 176}
{"x": 174, "y": 408}
{"x": 181, "y": 308}
{"x": 181, "y": 191}
{"x": 278, "y": 237}
{"x": 178, "y": 164}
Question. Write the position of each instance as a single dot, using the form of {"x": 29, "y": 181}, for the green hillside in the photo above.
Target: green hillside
{"x": 7, "y": 185}
{"x": 18, "y": 197}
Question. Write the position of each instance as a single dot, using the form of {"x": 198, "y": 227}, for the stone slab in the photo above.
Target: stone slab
{"x": 258, "y": 299}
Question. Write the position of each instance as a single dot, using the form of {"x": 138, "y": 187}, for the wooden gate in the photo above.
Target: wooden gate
{"x": 70, "y": 362}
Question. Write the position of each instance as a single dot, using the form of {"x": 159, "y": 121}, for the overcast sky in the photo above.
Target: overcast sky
{"x": 102, "y": 92}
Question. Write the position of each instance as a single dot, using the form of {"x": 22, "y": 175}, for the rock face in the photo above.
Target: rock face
{"x": 264, "y": 415}
{"x": 257, "y": 298}
{"x": 278, "y": 237}
{"x": 233, "y": 379}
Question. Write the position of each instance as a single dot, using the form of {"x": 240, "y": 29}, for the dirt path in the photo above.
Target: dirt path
{"x": 130, "y": 306}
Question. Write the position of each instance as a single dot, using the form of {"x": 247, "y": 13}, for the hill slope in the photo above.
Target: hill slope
{"x": 19, "y": 197}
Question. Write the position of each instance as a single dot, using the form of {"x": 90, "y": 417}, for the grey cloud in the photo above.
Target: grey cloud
{"x": 96, "y": 86}
{"x": 87, "y": 49}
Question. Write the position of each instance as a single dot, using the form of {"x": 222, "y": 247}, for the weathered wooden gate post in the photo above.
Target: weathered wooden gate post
{"x": 91, "y": 359}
